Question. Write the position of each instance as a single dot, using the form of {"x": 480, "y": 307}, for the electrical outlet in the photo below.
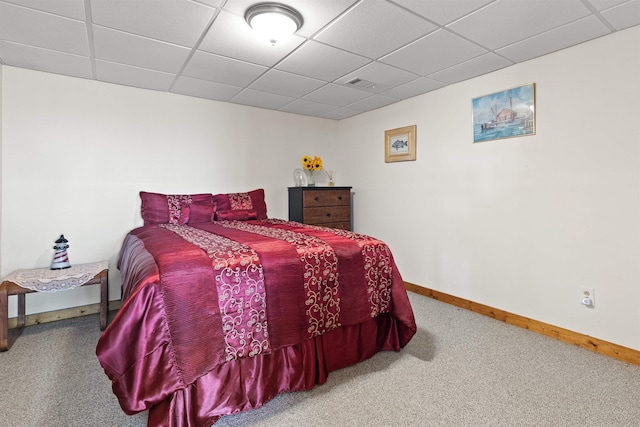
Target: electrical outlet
{"x": 588, "y": 297}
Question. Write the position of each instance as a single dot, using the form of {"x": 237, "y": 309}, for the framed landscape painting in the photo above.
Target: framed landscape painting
{"x": 505, "y": 114}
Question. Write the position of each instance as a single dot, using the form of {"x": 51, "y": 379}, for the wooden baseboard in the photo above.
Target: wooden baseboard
{"x": 615, "y": 351}
{"x": 67, "y": 313}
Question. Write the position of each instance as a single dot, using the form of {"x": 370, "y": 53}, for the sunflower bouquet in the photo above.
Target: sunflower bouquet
{"x": 310, "y": 166}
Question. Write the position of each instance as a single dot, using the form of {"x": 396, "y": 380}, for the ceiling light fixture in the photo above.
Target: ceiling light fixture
{"x": 274, "y": 22}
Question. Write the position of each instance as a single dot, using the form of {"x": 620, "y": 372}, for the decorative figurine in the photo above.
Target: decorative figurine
{"x": 60, "y": 258}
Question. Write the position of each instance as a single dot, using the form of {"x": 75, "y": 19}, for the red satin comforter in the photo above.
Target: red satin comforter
{"x": 221, "y": 317}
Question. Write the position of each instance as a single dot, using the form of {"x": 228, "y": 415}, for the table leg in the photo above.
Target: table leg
{"x": 4, "y": 318}
{"x": 8, "y": 337}
{"x": 104, "y": 299}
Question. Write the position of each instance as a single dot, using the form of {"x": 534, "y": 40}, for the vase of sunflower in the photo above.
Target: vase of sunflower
{"x": 311, "y": 165}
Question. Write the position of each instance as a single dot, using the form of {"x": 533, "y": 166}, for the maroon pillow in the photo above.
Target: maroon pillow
{"x": 167, "y": 209}
{"x": 237, "y": 215}
{"x": 201, "y": 212}
{"x": 250, "y": 201}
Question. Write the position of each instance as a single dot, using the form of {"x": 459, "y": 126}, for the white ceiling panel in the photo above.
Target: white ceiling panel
{"x": 372, "y": 102}
{"x": 508, "y": 21}
{"x": 374, "y": 28}
{"x": 624, "y": 15}
{"x": 50, "y": 61}
{"x": 443, "y": 11}
{"x": 335, "y": 62}
{"x": 133, "y": 76}
{"x": 337, "y": 95}
{"x": 125, "y": 48}
{"x": 256, "y": 98}
{"x": 70, "y": 8}
{"x": 433, "y": 53}
{"x": 309, "y": 108}
{"x": 482, "y": 64}
{"x": 175, "y": 21}
{"x": 205, "y": 89}
{"x": 31, "y": 27}
{"x": 558, "y": 38}
{"x": 414, "y": 88}
{"x": 219, "y": 69}
{"x": 287, "y": 84}
{"x": 204, "y": 48}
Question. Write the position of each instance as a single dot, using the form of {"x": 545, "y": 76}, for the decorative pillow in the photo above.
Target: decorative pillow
{"x": 237, "y": 215}
{"x": 251, "y": 201}
{"x": 176, "y": 209}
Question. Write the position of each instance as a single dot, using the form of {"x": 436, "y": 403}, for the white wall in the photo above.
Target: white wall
{"x": 77, "y": 152}
{"x": 516, "y": 224}
{"x": 519, "y": 224}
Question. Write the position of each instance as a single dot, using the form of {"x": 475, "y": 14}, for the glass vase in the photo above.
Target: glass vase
{"x": 311, "y": 178}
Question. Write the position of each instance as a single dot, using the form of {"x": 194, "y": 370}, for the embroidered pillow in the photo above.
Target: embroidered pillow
{"x": 168, "y": 209}
{"x": 250, "y": 201}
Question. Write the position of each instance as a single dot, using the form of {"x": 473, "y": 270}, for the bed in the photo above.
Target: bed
{"x": 224, "y": 308}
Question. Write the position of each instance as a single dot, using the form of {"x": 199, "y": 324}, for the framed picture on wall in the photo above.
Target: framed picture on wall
{"x": 505, "y": 114}
{"x": 400, "y": 144}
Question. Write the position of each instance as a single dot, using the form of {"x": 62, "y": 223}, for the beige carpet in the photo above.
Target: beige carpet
{"x": 462, "y": 369}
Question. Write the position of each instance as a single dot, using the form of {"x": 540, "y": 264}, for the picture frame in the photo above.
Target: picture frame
{"x": 400, "y": 144}
{"x": 506, "y": 114}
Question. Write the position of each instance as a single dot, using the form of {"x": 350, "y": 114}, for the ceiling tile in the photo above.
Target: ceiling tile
{"x": 605, "y": 4}
{"x": 335, "y": 62}
{"x": 244, "y": 45}
{"x": 556, "y": 39}
{"x": 30, "y": 27}
{"x": 443, "y": 11}
{"x": 337, "y": 95}
{"x": 477, "y": 66}
{"x": 287, "y": 84}
{"x": 414, "y": 88}
{"x": 177, "y": 21}
{"x": 219, "y": 69}
{"x": 384, "y": 76}
{"x": 506, "y": 21}
{"x": 340, "y": 113}
{"x": 374, "y": 28}
{"x": 132, "y": 76}
{"x": 624, "y": 15}
{"x": 50, "y": 61}
{"x": 125, "y": 48}
{"x": 205, "y": 89}
{"x": 434, "y": 52}
{"x": 256, "y": 98}
{"x": 73, "y": 9}
{"x": 372, "y": 102}
{"x": 308, "y": 108}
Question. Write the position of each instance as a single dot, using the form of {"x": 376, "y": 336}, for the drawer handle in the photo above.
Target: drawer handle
{"x": 316, "y": 198}
{"x": 329, "y": 214}
{"x": 339, "y": 197}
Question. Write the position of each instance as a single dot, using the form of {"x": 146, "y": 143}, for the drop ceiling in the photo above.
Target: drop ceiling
{"x": 349, "y": 56}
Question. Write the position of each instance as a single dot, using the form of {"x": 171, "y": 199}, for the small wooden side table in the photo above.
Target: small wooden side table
{"x": 22, "y": 282}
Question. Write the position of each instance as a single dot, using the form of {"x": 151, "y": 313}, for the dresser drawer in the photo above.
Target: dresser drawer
{"x": 312, "y": 198}
{"x": 326, "y": 214}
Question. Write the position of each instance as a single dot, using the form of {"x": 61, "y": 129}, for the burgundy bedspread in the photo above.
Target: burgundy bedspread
{"x": 220, "y": 317}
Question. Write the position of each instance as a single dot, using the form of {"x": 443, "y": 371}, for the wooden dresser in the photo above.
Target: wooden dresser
{"x": 324, "y": 206}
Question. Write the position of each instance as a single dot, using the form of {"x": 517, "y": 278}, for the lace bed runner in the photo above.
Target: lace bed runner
{"x": 47, "y": 280}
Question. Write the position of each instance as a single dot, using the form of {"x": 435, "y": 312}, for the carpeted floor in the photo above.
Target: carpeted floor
{"x": 461, "y": 369}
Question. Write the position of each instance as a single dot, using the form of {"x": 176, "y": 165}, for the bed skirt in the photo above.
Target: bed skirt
{"x": 249, "y": 383}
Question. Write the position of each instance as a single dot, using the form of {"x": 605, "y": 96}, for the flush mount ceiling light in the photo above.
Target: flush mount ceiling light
{"x": 274, "y": 22}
